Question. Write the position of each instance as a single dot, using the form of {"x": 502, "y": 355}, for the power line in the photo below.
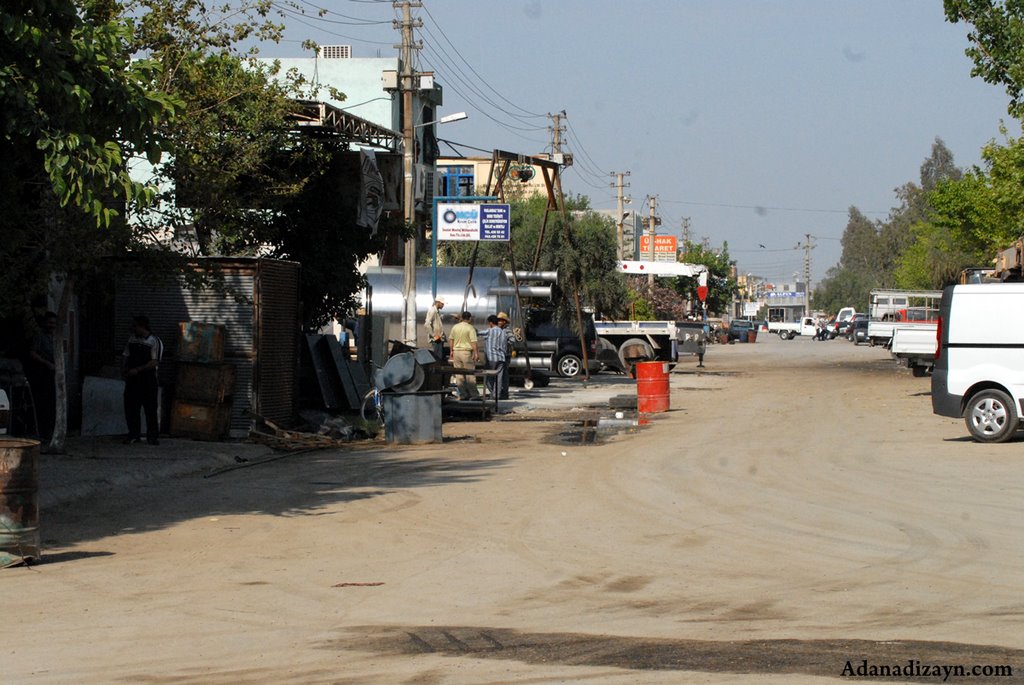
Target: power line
{"x": 323, "y": 12}
{"x": 461, "y": 78}
{"x": 482, "y": 79}
{"x": 294, "y": 16}
{"x": 583, "y": 151}
{"x": 512, "y": 129}
{"x": 766, "y": 208}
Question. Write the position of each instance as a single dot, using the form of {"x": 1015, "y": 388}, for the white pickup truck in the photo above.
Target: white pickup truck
{"x": 787, "y": 330}
{"x": 914, "y": 345}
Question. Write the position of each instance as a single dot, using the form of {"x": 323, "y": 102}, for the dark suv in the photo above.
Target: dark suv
{"x": 554, "y": 346}
{"x": 739, "y": 328}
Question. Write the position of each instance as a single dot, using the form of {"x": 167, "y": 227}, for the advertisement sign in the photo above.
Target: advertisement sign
{"x": 473, "y": 222}
{"x": 664, "y": 247}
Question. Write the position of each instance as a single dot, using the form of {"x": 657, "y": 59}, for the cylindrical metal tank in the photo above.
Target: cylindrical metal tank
{"x": 19, "y": 500}
{"x": 387, "y": 286}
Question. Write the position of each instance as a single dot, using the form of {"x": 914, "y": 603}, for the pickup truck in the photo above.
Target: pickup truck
{"x": 914, "y": 346}
{"x": 880, "y": 330}
{"x": 787, "y": 330}
{"x": 623, "y": 343}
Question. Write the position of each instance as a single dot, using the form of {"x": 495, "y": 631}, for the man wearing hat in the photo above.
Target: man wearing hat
{"x": 497, "y": 347}
{"x": 435, "y": 331}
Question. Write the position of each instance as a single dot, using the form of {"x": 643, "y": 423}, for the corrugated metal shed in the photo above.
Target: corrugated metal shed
{"x": 260, "y": 311}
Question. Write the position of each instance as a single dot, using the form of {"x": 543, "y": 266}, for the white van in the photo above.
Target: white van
{"x": 979, "y": 364}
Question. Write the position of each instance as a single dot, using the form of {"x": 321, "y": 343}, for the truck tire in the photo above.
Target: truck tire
{"x": 990, "y": 416}
{"x": 783, "y": 335}
{"x": 632, "y": 351}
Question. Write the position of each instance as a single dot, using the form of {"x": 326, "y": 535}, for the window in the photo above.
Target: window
{"x": 456, "y": 181}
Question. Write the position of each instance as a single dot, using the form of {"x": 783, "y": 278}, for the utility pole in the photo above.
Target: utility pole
{"x": 556, "y": 132}
{"x": 807, "y": 274}
{"x": 408, "y": 85}
{"x": 685, "y": 233}
{"x": 620, "y": 187}
{"x": 652, "y": 221}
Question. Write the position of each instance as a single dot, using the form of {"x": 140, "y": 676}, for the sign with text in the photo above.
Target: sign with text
{"x": 664, "y": 247}
{"x": 473, "y": 222}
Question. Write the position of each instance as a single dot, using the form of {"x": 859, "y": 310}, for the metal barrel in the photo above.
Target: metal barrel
{"x": 652, "y": 394}
{"x": 19, "y": 500}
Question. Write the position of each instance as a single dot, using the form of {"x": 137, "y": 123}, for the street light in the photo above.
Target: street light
{"x": 409, "y": 270}
{"x": 447, "y": 119}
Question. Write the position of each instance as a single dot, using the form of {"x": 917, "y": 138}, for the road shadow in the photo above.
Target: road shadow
{"x": 822, "y": 657}
{"x": 307, "y": 484}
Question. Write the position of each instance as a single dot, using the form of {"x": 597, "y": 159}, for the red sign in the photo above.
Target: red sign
{"x": 702, "y": 292}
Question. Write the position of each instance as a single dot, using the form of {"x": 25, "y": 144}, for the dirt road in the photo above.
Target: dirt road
{"x": 799, "y": 514}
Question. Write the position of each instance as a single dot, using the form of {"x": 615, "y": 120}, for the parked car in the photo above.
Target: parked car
{"x": 858, "y": 331}
{"x": 739, "y": 328}
{"x": 860, "y": 316}
{"x": 553, "y": 346}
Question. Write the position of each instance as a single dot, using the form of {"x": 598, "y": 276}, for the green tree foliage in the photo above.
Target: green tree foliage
{"x": 996, "y": 35}
{"x": 722, "y": 287}
{"x": 239, "y": 175}
{"x": 74, "y": 105}
{"x": 907, "y": 250}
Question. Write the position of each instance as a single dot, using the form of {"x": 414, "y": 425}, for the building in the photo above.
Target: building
{"x": 370, "y": 89}
{"x": 467, "y": 176}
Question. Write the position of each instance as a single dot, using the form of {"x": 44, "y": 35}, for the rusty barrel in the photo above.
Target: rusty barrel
{"x": 19, "y": 500}
{"x": 652, "y": 387}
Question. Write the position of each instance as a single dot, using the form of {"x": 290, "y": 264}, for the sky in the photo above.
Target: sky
{"x": 760, "y": 121}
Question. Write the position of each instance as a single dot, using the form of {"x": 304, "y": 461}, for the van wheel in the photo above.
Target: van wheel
{"x": 990, "y": 416}
{"x": 570, "y": 366}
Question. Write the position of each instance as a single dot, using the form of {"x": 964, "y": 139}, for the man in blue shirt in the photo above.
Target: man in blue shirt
{"x": 496, "y": 347}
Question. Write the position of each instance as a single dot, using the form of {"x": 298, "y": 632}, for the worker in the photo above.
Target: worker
{"x": 465, "y": 355}
{"x": 435, "y": 331}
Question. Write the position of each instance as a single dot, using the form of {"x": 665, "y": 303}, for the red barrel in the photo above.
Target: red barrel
{"x": 652, "y": 387}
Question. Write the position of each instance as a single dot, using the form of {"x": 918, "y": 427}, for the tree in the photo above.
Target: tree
{"x": 75, "y": 107}
{"x": 722, "y": 287}
{"x": 240, "y": 177}
{"x": 997, "y": 43}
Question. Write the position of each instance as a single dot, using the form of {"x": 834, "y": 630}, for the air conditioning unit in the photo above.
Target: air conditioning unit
{"x": 334, "y": 51}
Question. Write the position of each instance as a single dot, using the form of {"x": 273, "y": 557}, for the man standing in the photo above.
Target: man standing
{"x": 465, "y": 355}
{"x": 435, "y": 331}
{"x": 496, "y": 348}
{"x": 141, "y": 357}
